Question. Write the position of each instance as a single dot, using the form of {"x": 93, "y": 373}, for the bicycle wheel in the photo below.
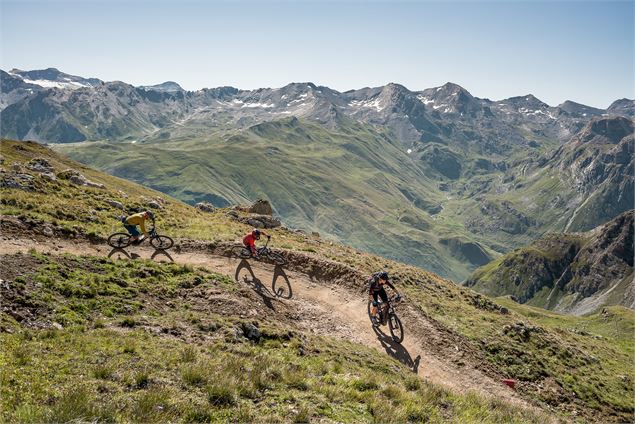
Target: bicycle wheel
{"x": 161, "y": 242}
{"x": 396, "y": 329}
{"x": 241, "y": 252}
{"x": 119, "y": 240}
{"x": 277, "y": 258}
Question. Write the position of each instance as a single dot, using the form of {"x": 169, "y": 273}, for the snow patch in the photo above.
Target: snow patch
{"x": 262, "y": 105}
{"x": 372, "y": 104}
{"x": 409, "y": 151}
{"x": 440, "y": 106}
{"x": 55, "y": 84}
{"x": 425, "y": 100}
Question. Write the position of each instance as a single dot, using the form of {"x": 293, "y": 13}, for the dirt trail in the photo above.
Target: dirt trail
{"x": 318, "y": 307}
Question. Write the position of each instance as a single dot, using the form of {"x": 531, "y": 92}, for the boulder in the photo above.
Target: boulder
{"x": 263, "y": 221}
{"x": 90, "y": 183}
{"x": 206, "y": 207}
{"x": 233, "y": 214}
{"x": 48, "y": 176}
{"x": 76, "y": 178}
{"x": 256, "y": 223}
{"x": 40, "y": 165}
{"x": 251, "y": 332}
{"x": 67, "y": 173}
{"x": 115, "y": 204}
{"x": 261, "y": 207}
{"x": 79, "y": 180}
{"x": 19, "y": 181}
{"x": 154, "y": 204}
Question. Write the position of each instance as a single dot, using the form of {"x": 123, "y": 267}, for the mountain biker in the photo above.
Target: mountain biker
{"x": 138, "y": 219}
{"x": 376, "y": 289}
{"x": 249, "y": 240}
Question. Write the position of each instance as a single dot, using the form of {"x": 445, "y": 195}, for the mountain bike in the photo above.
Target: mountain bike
{"x": 244, "y": 252}
{"x": 121, "y": 240}
{"x": 394, "y": 323}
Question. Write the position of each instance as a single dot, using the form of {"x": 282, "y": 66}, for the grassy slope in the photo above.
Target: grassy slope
{"x": 119, "y": 359}
{"x": 548, "y": 355}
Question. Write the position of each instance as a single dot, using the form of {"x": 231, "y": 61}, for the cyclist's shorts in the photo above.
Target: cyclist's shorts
{"x": 381, "y": 293}
{"x": 132, "y": 230}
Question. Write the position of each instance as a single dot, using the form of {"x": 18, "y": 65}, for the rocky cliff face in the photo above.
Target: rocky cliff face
{"x": 598, "y": 163}
{"x": 575, "y": 273}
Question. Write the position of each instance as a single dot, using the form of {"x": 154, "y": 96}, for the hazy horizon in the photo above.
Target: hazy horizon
{"x": 557, "y": 51}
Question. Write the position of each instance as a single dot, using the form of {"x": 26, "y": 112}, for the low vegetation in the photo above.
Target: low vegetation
{"x": 166, "y": 357}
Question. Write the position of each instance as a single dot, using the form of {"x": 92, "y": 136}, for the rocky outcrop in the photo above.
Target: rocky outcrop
{"x": 260, "y": 221}
{"x": 575, "y": 273}
{"x": 76, "y": 178}
{"x": 257, "y": 215}
{"x": 205, "y": 207}
{"x": 261, "y": 207}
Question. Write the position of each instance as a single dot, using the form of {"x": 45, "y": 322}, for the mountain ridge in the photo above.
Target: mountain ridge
{"x": 576, "y": 273}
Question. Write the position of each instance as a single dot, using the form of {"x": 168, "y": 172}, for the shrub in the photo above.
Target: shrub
{"x": 103, "y": 372}
{"x": 194, "y": 375}
{"x": 220, "y": 394}
{"x": 188, "y": 354}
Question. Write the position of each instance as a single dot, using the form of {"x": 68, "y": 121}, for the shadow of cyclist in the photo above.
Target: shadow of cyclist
{"x": 161, "y": 252}
{"x": 397, "y": 351}
{"x": 255, "y": 283}
{"x": 281, "y": 289}
{"x": 117, "y": 252}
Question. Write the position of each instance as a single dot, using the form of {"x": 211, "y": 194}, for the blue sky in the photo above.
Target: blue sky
{"x": 566, "y": 50}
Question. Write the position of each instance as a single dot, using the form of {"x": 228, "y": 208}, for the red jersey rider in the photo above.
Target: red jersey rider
{"x": 250, "y": 240}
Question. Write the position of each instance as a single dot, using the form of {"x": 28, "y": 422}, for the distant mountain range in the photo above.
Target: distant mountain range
{"x": 90, "y": 109}
{"x": 438, "y": 177}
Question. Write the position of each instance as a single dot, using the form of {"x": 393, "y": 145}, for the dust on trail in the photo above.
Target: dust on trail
{"x": 318, "y": 307}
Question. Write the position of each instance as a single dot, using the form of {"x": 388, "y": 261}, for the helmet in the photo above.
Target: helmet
{"x": 256, "y": 233}
{"x": 383, "y": 275}
{"x": 150, "y": 214}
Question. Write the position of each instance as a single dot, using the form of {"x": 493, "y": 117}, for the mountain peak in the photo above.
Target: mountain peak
{"x": 168, "y": 87}
{"x": 574, "y": 108}
{"x": 528, "y": 101}
{"x": 606, "y": 130}
{"x": 625, "y": 107}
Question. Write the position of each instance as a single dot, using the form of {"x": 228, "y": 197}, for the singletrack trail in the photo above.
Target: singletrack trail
{"x": 315, "y": 306}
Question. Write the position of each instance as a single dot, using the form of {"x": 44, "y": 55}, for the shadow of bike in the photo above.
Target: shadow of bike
{"x": 254, "y": 283}
{"x": 281, "y": 288}
{"x": 397, "y": 351}
{"x": 119, "y": 253}
{"x": 158, "y": 253}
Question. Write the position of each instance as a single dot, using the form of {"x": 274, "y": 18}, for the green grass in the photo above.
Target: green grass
{"x": 590, "y": 358}
{"x": 85, "y": 372}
